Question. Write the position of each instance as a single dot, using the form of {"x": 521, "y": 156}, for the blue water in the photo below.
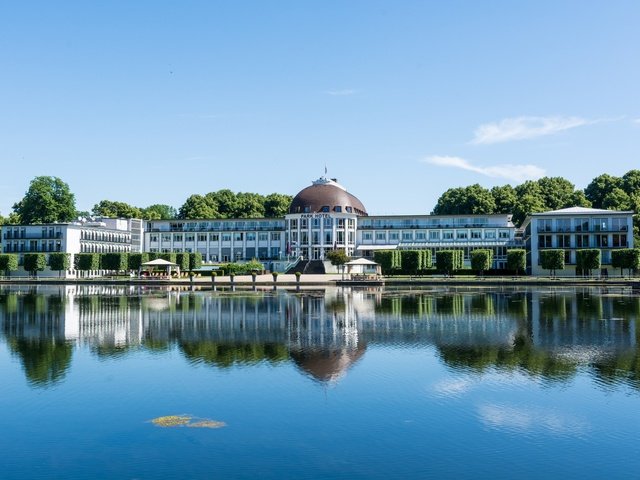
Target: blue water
{"x": 326, "y": 384}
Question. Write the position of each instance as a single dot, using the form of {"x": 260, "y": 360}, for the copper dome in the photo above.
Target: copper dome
{"x": 326, "y": 195}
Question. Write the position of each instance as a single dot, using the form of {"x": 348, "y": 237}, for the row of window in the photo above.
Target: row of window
{"x": 326, "y": 222}
{"x": 219, "y": 225}
{"x": 33, "y": 246}
{"x": 327, "y": 238}
{"x": 570, "y": 257}
{"x": 215, "y": 237}
{"x": 615, "y": 224}
{"x": 436, "y": 235}
{"x": 466, "y": 222}
{"x": 103, "y": 248}
{"x": 240, "y": 254}
{"x": 101, "y": 236}
{"x": 582, "y": 241}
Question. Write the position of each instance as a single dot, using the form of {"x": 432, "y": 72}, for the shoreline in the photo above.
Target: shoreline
{"x": 329, "y": 280}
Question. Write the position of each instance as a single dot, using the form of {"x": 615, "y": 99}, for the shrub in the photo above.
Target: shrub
{"x": 588, "y": 259}
{"x": 35, "y": 262}
{"x": 59, "y": 261}
{"x": 481, "y": 260}
{"x": 517, "y": 260}
{"x": 552, "y": 260}
{"x": 8, "y": 262}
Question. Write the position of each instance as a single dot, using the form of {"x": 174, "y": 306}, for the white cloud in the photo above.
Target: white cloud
{"x": 522, "y": 128}
{"x": 518, "y": 173}
{"x": 637, "y": 120}
{"x": 523, "y": 419}
{"x": 341, "y": 93}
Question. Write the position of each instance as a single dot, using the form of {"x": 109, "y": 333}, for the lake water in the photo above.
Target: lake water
{"x": 327, "y": 383}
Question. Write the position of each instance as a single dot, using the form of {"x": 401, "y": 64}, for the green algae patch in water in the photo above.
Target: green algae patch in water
{"x": 170, "y": 421}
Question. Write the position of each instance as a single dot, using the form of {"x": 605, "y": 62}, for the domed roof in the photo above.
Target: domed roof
{"x": 326, "y": 195}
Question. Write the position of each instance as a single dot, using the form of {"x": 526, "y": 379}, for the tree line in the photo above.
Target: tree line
{"x": 548, "y": 193}
{"x": 50, "y": 200}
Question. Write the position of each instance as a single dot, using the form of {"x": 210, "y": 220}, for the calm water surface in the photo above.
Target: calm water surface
{"x": 433, "y": 383}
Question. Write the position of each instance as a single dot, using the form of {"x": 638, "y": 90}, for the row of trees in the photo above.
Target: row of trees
{"x": 589, "y": 259}
{"x": 116, "y": 262}
{"x": 49, "y": 200}
{"x": 419, "y": 262}
{"x": 548, "y": 193}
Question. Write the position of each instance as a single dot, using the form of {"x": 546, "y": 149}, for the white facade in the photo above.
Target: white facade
{"x": 439, "y": 232}
{"x": 102, "y": 236}
{"x": 573, "y": 229}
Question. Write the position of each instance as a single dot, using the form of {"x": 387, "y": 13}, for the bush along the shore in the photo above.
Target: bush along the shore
{"x": 587, "y": 259}
{"x": 59, "y": 261}
{"x": 8, "y": 262}
{"x": 552, "y": 260}
{"x": 35, "y": 262}
{"x": 628, "y": 258}
{"x": 517, "y": 260}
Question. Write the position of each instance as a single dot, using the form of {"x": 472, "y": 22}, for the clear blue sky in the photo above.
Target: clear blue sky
{"x": 150, "y": 101}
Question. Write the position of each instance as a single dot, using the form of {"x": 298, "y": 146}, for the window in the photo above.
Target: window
{"x": 619, "y": 240}
{"x": 619, "y": 224}
{"x": 393, "y": 236}
{"x": 563, "y": 225}
{"x": 544, "y": 225}
{"x": 461, "y": 234}
{"x": 328, "y": 222}
{"x": 601, "y": 224}
{"x": 315, "y": 237}
{"x": 564, "y": 241}
{"x": 581, "y": 225}
{"x": 226, "y": 237}
{"x": 214, "y": 237}
{"x": 382, "y": 236}
{"x": 153, "y": 238}
{"x": 407, "y": 236}
{"x": 263, "y": 237}
{"x": 325, "y": 208}
{"x": 503, "y": 234}
{"x": 275, "y": 236}
{"x": 251, "y": 236}
{"x": 421, "y": 235}
{"x": 275, "y": 252}
{"x": 237, "y": 236}
{"x": 567, "y": 257}
{"x": 315, "y": 223}
{"x": 304, "y": 237}
{"x": 294, "y": 224}
{"x": 328, "y": 237}
{"x": 337, "y": 208}
{"x": 582, "y": 241}
{"x": 447, "y": 235}
{"x": 476, "y": 234}
{"x": 367, "y": 236}
{"x": 341, "y": 223}
{"x": 602, "y": 240}
{"x": 544, "y": 241}
{"x": 189, "y": 237}
{"x": 166, "y": 237}
{"x": 434, "y": 235}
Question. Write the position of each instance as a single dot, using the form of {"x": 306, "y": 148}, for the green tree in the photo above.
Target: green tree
{"x": 115, "y": 261}
{"x": 527, "y": 204}
{"x": 226, "y": 201}
{"x": 195, "y": 261}
{"x": 448, "y": 261}
{"x": 599, "y": 187}
{"x": 58, "y": 262}
{"x": 35, "y": 262}
{"x": 579, "y": 199}
{"x": 383, "y": 258}
{"x": 198, "y": 206}
{"x": 517, "y": 260}
{"x": 557, "y": 192}
{"x": 136, "y": 260}
{"x": 410, "y": 262}
{"x": 588, "y": 259}
{"x": 159, "y": 212}
{"x": 481, "y": 259}
{"x": 87, "y": 261}
{"x": 631, "y": 182}
{"x": 552, "y": 260}
{"x": 505, "y": 198}
{"x": 182, "y": 259}
{"x": 277, "y": 205}
{"x": 616, "y": 199}
{"x": 8, "y": 262}
{"x": 628, "y": 258}
{"x": 47, "y": 200}
{"x": 249, "y": 205}
{"x": 473, "y": 199}
{"x": 111, "y": 209}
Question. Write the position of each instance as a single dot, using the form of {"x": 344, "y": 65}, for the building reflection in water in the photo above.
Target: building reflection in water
{"x": 549, "y": 333}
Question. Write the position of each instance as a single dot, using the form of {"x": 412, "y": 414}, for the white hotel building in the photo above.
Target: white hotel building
{"x": 323, "y": 217}
{"x": 576, "y": 228}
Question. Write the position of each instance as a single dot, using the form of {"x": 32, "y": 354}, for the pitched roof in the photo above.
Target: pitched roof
{"x": 580, "y": 211}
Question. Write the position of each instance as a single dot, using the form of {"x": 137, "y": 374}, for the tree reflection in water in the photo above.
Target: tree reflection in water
{"x": 545, "y": 333}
